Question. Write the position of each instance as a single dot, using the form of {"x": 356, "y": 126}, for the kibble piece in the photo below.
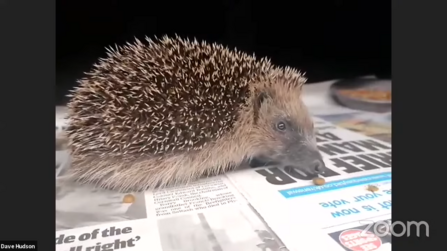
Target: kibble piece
{"x": 372, "y": 188}
{"x": 319, "y": 181}
{"x": 129, "y": 198}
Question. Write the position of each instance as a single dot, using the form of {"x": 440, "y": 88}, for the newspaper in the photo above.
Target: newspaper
{"x": 206, "y": 215}
{"x": 240, "y": 210}
{"x": 289, "y": 201}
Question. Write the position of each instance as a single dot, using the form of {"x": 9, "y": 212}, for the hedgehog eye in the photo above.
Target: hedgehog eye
{"x": 281, "y": 126}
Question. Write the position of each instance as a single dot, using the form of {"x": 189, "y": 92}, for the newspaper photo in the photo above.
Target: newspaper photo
{"x": 367, "y": 234}
{"x": 288, "y": 200}
{"x": 209, "y": 215}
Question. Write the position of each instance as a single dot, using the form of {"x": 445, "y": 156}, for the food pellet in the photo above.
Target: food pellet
{"x": 129, "y": 198}
{"x": 319, "y": 181}
{"x": 372, "y": 188}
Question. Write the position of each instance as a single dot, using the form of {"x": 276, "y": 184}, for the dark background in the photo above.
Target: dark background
{"x": 326, "y": 39}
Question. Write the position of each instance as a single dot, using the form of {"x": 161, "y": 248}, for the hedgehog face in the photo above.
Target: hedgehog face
{"x": 284, "y": 131}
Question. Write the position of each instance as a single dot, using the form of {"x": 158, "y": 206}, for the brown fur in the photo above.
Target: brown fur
{"x": 275, "y": 93}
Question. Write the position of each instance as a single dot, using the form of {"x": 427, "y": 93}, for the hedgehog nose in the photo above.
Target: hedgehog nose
{"x": 317, "y": 167}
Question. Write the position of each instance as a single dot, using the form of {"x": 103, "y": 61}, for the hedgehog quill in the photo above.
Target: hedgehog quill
{"x": 168, "y": 111}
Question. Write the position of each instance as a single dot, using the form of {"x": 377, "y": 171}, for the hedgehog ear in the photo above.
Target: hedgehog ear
{"x": 259, "y": 100}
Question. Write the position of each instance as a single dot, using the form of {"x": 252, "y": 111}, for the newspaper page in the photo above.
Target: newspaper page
{"x": 207, "y": 215}
{"x": 289, "y": 201}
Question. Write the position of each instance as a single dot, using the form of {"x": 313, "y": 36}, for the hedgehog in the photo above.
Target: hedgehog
{"x": 167, "y": 111}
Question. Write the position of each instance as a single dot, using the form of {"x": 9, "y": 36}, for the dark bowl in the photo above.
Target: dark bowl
{"x": 359, "y": 103}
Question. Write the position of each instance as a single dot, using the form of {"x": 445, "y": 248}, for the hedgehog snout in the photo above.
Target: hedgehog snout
{"x": 310, "y": 167}
{"x": 306, "y": 159}
{"x": 302, "y": 157}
